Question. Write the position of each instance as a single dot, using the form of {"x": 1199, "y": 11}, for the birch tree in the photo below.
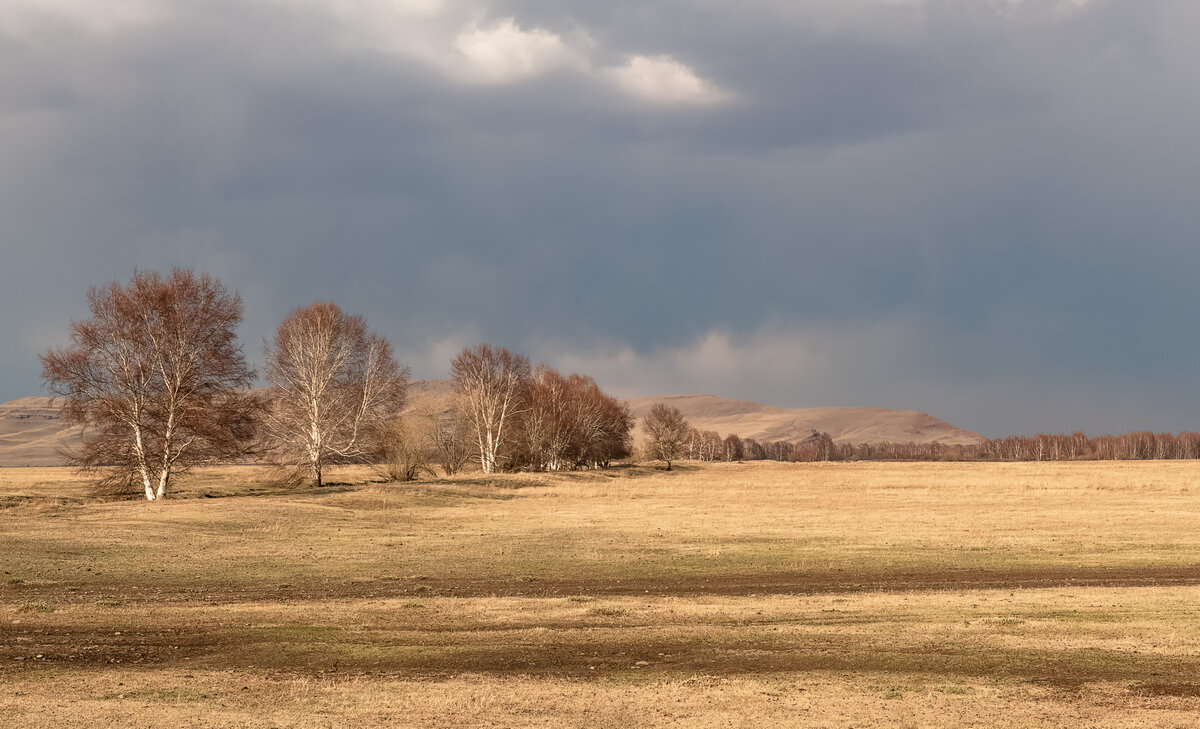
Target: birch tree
{"x": 156, "y": 380}
{"x": 667, "y": 433}
{"x": 448, "y": 432}
{"x": 568, "y": 422}
{"x": 491, "y": 381}
{"x": 334, "y": 388}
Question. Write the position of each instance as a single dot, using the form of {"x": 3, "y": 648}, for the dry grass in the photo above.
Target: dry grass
{"x": 808, "y": 595}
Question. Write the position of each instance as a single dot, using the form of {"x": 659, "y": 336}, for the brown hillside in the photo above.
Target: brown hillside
{"x": 32, "y": 432}
{"x": 846, "y": 425}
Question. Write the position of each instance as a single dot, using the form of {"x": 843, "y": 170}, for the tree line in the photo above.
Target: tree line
{"x": 1078, "y": 446}
{"x": 671, "y": 438}
{"x": 157, "y": 383}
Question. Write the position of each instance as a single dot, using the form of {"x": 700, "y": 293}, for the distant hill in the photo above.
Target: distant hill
{"x": 846, "y": 425}
{"x": 32, "y": 431}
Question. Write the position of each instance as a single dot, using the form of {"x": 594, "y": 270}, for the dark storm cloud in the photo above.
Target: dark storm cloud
{"x": 981, "y": 209}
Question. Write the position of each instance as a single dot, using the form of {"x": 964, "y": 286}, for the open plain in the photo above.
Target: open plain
{"x": 864, "y": 594}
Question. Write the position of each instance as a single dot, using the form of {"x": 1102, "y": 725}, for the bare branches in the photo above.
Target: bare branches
{"x": 568, "y": 422}
{"x": 156, "y": 379}
{"x": 335, "y": 387}
{"x": 491, "y": 381}
{"x": 667, "y": 433}
{"x": 448, "y": 432}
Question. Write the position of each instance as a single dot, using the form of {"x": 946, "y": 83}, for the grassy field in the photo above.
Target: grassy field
{"x": 730, "y": 595}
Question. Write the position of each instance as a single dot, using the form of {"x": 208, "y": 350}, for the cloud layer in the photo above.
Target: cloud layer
{"x": 980, "y": 209}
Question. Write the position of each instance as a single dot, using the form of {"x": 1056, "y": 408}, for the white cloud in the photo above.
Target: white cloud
{"x": 450, "y": 39}
{"x": 664, "y": 80}
{"x": 778, "y": 364}
{"x": 505, "y": 53}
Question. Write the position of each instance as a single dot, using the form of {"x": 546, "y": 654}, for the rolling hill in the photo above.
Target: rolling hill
{"x": 32, "y": 431}
{"x": 846, "y": 425}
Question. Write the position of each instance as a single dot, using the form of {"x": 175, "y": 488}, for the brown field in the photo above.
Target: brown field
{"x": 814, "y": 595}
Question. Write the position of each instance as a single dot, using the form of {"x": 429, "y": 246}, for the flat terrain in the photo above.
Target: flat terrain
{"x": 729, "y": 595}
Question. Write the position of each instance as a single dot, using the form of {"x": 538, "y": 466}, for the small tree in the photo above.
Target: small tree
{"x": 667, "y": 433}
{"x": 156, "y": 380}
{"x": 491, "y": 381}
{"x": 335, "y": 388}
{"x": 448, "y": 433}
{"x": 404, "y": 452}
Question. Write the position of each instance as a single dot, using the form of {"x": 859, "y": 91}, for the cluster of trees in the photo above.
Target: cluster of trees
{"x": 158, "y": 384}
{"x": 709, "y": 446}
{"x": 669, "y": 437}
{"x": 537, "y": 419}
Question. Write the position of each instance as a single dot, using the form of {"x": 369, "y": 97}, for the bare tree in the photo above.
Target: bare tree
{"x": 735, "y": 448}
{"x": 335, "y": 387}
{"x": 667, "y": 433}
{"x": 404, "y": 451}
{"x": 568, "y": 422}
{"x": 491, "y": 381}
{"x": 156, "y": 379}
{"x": 448, "y": 432}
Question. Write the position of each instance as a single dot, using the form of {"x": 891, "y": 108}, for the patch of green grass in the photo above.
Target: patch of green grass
{"x": 952, "y": 688}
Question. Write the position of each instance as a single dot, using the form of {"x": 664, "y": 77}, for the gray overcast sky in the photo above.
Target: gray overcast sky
{"x": 983, "y": 209}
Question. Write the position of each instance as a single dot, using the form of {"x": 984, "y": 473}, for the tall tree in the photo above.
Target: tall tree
{"x": 334, "y": 388}
{"x": 156, "y": 379}
{"x": 667, "y": 433}
{"x": 491, "y": 381}
{"x": 569, "y": 422}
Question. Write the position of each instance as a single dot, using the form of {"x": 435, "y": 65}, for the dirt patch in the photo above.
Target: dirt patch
{"x": 1167, "y": 688}
{"x": 632, "y": 654}
{"x": 740, "y": 585}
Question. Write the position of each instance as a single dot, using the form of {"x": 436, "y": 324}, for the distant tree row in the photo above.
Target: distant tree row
{"x": 709, "y": 445}
{"x": 156, "y": 381}
{"x": 670, "y": 438}
{"x": 1042, "y": 447}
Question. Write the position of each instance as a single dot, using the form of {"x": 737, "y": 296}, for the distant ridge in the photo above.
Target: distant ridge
{"x": 845, "y": 425}
{"x": 32, "y": 431}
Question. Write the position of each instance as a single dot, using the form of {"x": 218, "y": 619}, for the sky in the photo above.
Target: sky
{"x": 982, "y": 209}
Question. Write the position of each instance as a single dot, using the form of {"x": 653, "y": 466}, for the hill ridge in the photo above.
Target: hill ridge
{"x": 32, "y": 431}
